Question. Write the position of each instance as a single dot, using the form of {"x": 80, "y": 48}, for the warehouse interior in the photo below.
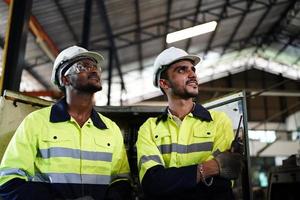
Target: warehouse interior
{"x": 254, "y": 48}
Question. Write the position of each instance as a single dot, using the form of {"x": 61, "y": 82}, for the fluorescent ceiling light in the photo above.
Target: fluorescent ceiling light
{"x": 191, "y": 32}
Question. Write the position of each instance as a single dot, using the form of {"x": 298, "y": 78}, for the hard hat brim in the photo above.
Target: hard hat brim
{"x": 196, "y": 59}
{"x": 98, "y": 57}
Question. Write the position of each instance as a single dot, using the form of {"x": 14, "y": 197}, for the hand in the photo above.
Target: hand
{"x": 209, "y": 168}
{"x": 230, "y": 164}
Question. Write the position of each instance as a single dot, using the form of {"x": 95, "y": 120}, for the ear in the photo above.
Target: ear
{"x": 164, "y": 83}
{"x": 65, "y": 80}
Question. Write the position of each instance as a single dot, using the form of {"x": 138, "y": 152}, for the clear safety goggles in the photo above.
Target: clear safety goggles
{"x": 82, "y": 66}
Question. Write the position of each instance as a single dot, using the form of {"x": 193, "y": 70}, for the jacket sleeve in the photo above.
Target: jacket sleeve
{"x": 120, "y": 165}
{"x": 148, "y": 155}
{"x": 120, "y": 187}
{"x": 160, "y": 181}
{"x": 155, "y": 178}
{"x": 119, "y": 190}
{"x": 224, "y": 133}
{"x": 19, "y": 189}
{"x": 18, "y": 159}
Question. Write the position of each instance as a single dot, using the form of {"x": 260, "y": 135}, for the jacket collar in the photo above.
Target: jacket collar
{"x": 199, "y": 111}
{"x": 59, "y": 113}
{"x": 202, "y": 113}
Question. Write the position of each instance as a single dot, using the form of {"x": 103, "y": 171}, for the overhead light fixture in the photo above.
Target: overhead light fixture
{"x": 191, "y": 32}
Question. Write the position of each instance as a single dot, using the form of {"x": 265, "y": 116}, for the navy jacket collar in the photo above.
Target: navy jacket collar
{"x": 59, "y": 113}
{"x": 199, "y": 112}
{"x": 202, "y": 113}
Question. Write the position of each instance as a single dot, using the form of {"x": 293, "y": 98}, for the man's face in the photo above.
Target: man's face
{"x": 85, "y": 76}
{"x": 182, "y": 79}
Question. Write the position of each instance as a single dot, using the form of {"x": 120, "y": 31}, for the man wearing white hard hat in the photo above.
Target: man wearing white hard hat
{"x": 184, "y": 153}
{"x": 68, "y": 150}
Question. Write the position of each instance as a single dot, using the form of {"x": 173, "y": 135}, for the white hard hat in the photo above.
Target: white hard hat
{"x": 69, "y": 54}
{"x": 169, "y": 56}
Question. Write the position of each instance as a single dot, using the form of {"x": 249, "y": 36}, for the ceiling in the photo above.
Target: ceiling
{"x": 254, "y": 47}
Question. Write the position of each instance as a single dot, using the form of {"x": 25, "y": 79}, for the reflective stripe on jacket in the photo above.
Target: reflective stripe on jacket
{"x": 49, "y": 146}
{"x": 201, "y": 135}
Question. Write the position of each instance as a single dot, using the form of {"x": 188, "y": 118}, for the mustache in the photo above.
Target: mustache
{"x": 94, "y": 75}
{"x": 192, "y": 80}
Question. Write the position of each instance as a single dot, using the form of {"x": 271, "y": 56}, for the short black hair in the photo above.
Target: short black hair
{"x": 163, "y": 75}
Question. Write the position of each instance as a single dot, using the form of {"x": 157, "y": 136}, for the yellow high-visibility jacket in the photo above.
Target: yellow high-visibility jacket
{"x": 49, "y": 146}
{"x": 201, "y": 135}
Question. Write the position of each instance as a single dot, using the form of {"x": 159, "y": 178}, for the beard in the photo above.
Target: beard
{"x": 89, "y": 88}
{"x": 89, "y": 85}
{"x": 184, "y": 93}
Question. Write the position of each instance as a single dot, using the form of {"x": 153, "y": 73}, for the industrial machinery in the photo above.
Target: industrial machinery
{"x": 284, "y": 181}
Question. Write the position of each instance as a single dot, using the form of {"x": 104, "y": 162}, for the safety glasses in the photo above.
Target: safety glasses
{"x": 82, "y": 66}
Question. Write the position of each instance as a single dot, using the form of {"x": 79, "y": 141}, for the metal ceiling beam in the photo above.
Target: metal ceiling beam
{"x": 259, "y": 22}
{"x": 138, "y": 33}
{"x": 167, "y": 22}
{"x": 239, "y": 41}
{"x": 213, "y": 34}
{"x": 159, "y": 34}
{"x": 252, "y": 91}
{"x": 38, "y": 31}
{"x": 85, "y": 36}
{"x": 263, "y": 3}
{"x": 110, "y": 71}
{"x": 240, "y": 22}
{"x": 276, "y": 26}
{"x": 284, "y": 37}
{"x": 281, "y": 112}
{"x": 291, "y": 39}
{"x": 296, "y": 61}
{"x": 65, "y": 18}
{"x": 268, "y": 88}
{"x": 42, "y": 38}
{"x": 152, "y": 35}
{"x": 39, "y": 78}
{"x": 15, "y": 44}
{"x": 28, "y": 68}
{"x": 103, "y": 16}
{"x": 38, "y": 61}
{"x": 242, "y": 10}
{"x": 186, "y": 16}
{"x": 292, "y": 11}
{"x": 194, "y": 22}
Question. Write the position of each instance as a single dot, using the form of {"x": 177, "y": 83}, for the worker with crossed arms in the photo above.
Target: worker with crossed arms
{"x": 185, "y": 152}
